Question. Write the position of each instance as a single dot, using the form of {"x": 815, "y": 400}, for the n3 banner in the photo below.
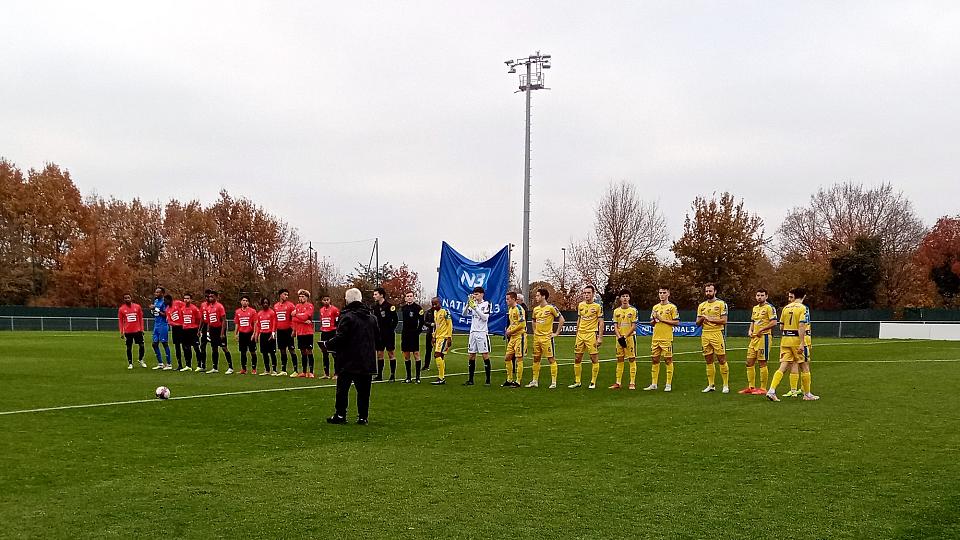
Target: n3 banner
{"x": 459, "y": 275}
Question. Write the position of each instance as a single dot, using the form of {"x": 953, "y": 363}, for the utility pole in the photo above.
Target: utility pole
{"x": 530, "y": 81}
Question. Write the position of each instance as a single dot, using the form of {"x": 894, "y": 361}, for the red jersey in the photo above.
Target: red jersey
{"x": 173, "y": 313}
{"x": 245, "y": 319}
{"x": 328, "y": 318}
{"x": 131, "y": 318}
{"x": 303, "y": 319}
{"x": 191, "y": 317}
{"x": 215, "y": 314}
{"x": 266, "y": 321}
{"x": 284, "y": 312}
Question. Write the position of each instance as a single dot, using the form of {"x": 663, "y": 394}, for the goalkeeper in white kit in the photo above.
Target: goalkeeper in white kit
{"x": 479, "y": 311}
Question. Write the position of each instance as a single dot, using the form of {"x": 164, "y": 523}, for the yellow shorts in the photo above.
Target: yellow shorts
{"x": 586, "y": 344}
{"x": 442, "y": 345}
{"x": 792, "y": 354}
{"x": 712, "y": 343}
{"x": 630, "y": 351}
{"x": 543, "y": 346}
{"x": 759, "y": 348}
{"x": 517, "y": 345}
{"x": 662, "y": 347}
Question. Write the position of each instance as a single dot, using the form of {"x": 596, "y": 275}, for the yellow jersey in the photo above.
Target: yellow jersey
{"x": 792, "y": 317}
{"x": 444, "y": 325}
{"x": 543, "y": 319}
{"x": 763, "y": 315}
{"x": 626, "y": 319}
{"x": 589, "y": 314}
{"x": 661, "y": 330}
{"x": 517, "y": 322}
{"x": 714, "y": 308}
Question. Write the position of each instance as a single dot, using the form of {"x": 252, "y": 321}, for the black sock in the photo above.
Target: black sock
{"x": 229, "y": 360}
{"x": 243, "y": 360}
{"x": 311, "y": 361}
{"x": 130, "y": 353}
{"x": 426, "y": 360}
{"x": 486, "y": 369}
{"x": 293, "y": 358}
{"x": 472, "y": 364}
{"x": 406, "y": 365}
{"x": 380, "y": 368}
{"x": 419, "y": 366}
{"x": 253, "y": 361}
{"x": 283, "y": 356}
{"x": 141, "y": 352}
{"x": 326, "y": 363}
{"x": 393, "y": 368}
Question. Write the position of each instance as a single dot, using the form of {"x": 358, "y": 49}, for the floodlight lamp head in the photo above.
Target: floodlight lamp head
{"x": 509, "y": 62}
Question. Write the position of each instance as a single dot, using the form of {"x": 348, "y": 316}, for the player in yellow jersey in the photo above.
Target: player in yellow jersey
{"x": 794, "y": 320}
{"x": 625, "y": 326}
{"x": 663, "y": 317}
{"x": 762, "y": 320}
{"x": 516, "y": 335}
{"x": 544, "y": 316}
{"x": 712, "y": 316}
{"x": 442, "y": 338}
{"x": 589, "y": 336}
{"x": 800, "y": 372}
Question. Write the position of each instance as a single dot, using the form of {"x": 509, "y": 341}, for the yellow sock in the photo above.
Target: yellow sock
{"x": 536, "y": 370}
{"x": 509, "y": 366}
{"x": 777, "y": 376}
{"x": 794, "y": 379}
{"x": 670, "y": 373}
{"x": 711, "y": 374}
{"x": 805, "y": 378}
{"x": 441, "y": 367}
{"x": 519, "y": 370}
{"x": 654, "y": 373}
{"x": 595, "y": 372}
{"x": 553, "y": 372}
{"x": 619, "y": 370}
{"x": 751, "y": 376}
{"x": 725, "y": 373}
{"x": 577, "y": 370}
{"x": 764, "y": 377}
{"x": 633, "y": 371}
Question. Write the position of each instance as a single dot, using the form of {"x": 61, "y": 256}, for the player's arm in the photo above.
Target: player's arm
{"x": 236, "y": 325}
{"x": 600, "y": 324}
{"x": 481, "y": 313}
{"x": 633, "y": 327}
{"x": 560, "y": 321}
{"x": 120, "y": 321}
{"x": 700, "y": 318}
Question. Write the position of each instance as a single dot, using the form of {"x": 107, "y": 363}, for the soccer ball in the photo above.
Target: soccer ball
{"x": 163, "y": 392}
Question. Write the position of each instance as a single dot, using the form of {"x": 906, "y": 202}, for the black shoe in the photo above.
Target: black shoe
{"x": 361, "y": 421}
{"x": 438, "y": 382}
{"x": 468, "y": 383}
{"x": 486, "y": 383}
{"x": 515, "y": 384}
{"x": 405, "y": 381}
{"x": 378, "y": 378}
{"x": 336, "y": 420}
{"x": 506, "y": 384}
{"x": 392, "y": 379}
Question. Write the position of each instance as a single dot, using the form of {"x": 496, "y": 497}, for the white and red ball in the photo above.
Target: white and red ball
{"x": 163, "y": 392}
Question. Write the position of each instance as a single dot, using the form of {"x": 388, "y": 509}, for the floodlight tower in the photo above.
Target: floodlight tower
{"x": 529, "y": 81}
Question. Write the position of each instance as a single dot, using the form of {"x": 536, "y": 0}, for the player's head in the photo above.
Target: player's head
{"x": 798, "y": 294}
{"x": 380, "y": 295}
{"x": 511, "y": 298}
{"x": 245, "y": 301}
{"x": 519, "y": 298}
{"x": 303, "y": 295}
{"x": 664, "y": 294}
{"x": 325, "y": 300}
{"x": 710, "y": 291}
{"x": 159, "y": 292}
{"x": 127, "y": 299}
{"x": 589, "y": 292}
{"x": 541, "y": 295}
{"x": 211, "y": 296}
{"x": 624, "y": 296}
{"x": 435, "y": 303}
{"x": 478, "y": 293}
{"x": 168, "y": 299}
{"x": 408, "y": 297}
{"x": 353, "y": 295}
{"x": 265, "y": 303}
{"x": 283, "y": 294}
{"x": 761, "y": 295}
{"x": 187, "y": 298}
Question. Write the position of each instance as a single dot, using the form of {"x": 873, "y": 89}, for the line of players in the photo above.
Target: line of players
{"x": 275, "y": 328}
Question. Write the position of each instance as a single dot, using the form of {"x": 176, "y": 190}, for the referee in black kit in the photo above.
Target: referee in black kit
{"x": 386, "y": 314}
{"x": 412, "y": 316}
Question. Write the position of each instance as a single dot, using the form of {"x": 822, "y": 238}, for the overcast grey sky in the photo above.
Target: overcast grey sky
{"x": 398, "y": 120}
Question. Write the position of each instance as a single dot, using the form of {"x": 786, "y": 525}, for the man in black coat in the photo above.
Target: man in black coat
{"x": 355, "y": 346}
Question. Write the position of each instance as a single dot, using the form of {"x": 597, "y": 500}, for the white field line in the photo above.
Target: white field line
{"x": 566, "y": 362}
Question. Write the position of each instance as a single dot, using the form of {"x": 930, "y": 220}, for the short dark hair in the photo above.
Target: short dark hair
{"x": 213, "y": 292}
{"x": 591, "y": 287}
{"x": 544, "y": 293}
{"x": 325, "y": 296}
{"x": 188, "y": 293}
{"x": 710, "y": 284}
{"x": 162, "y": 289}
{"x": 761, "y": 289}
{"x": 265, "y": 300}
{"x": 512, "y": 294}
{"x": 281, "y": 291}
{"x": 245, "y": 297}
{"x": 478, "y": 289}
{"x": 381, "y": 290}
{"x": 623, "y": 292}
{"x": 168, "y": 299}
{"x": 799, "y": 292}
{"x": 663, "y": 288}
{"x": 208, "y": 291}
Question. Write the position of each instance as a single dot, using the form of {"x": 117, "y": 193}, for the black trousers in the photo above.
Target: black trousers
{"x": 362, "y": 382}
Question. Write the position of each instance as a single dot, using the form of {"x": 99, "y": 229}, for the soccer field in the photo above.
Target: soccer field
{"x": 876, "y": 457}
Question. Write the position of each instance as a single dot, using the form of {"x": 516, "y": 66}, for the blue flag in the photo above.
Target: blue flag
{"x": 459, "y": 275}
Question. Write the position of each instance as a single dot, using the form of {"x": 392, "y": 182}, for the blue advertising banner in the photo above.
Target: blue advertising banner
{"x": 688, "y": 329}
{"x": 459, "y": 275}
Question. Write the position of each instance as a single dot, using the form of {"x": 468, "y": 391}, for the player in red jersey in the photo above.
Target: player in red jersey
{"x": 192, "y": 318}
{"x": 284, "y": 311}
{"x": 303, "y": 328}
{"x": 265, "y": 332}
{"x": 217, "y": 328}
{"x": 245, "y": 321}
{"x": 175, "y": 319}
{"x": 329, "y": 314}
{"x": 130, "y": 316}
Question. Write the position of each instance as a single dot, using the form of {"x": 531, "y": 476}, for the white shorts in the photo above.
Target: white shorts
{"x": 479, "y": 343}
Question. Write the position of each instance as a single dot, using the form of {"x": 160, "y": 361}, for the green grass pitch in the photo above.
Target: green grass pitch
{"x": 877, "y": 457}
